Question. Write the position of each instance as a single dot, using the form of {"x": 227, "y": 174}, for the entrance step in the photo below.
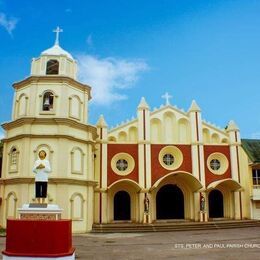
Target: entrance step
{"x": 172, "y": 226}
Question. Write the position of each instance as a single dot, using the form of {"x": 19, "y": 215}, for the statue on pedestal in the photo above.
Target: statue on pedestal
{"x": 41, "y": 169}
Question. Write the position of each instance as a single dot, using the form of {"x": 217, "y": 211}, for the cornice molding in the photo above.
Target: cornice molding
{"x": 16, "y": 180}
{"x": 100, "y": 190}
{"x": 17, "y": 137}
{"x": 102, "y": 141}
{"x": 50, "y": 121}
{"x": 28, "y": 180}
{"x": 144, "y": 142}
{"x": 197, "y": 143}
{"x": 235, "y": 144}
{"x": 53, "y": 79}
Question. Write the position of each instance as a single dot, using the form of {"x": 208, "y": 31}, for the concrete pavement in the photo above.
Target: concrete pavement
{"x": 240, "y": 243}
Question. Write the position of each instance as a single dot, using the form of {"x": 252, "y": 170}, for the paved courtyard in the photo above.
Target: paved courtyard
{"x": 243, "y": 243}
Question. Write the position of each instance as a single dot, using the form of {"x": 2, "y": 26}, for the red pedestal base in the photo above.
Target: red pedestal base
{"x": 38, "y": 238}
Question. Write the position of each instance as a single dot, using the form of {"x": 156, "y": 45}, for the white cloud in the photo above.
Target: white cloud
{"x": 8, "y": 23}
{"x": 109, "y": 76}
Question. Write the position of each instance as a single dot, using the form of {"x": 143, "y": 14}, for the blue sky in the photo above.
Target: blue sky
{"x": 203, "y": 50}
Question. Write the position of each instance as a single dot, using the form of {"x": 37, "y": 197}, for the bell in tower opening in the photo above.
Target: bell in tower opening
{"x": 52, "y": 67}
{"x": 47, "y": 101}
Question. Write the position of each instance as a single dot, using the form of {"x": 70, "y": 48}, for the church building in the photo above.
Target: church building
{"x": 166, "y": 164}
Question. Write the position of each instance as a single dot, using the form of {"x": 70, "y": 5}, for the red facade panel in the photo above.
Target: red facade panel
{"x": 158, "y": 171}
{"x": 208, "y": 150}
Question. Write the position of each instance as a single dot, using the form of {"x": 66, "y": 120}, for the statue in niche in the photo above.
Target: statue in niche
{"x": 146, "y": 204}
{"x": 202, "y": 203}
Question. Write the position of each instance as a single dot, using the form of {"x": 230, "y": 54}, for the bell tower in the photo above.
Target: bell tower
{"x": 52, "y": 89}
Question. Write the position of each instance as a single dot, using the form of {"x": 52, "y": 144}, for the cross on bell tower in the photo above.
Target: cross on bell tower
{"x": 58, "y": 30}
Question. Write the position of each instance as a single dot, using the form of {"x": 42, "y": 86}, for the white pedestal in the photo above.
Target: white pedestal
{"x": 203, "y": 216}
{"x": 38, "y": 211}
{"x": 147, "y": 218}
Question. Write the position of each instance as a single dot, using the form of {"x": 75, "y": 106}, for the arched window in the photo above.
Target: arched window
{"x": 206, "y": 135}
{"x": 122, "y": 137}
{"x": 111, "y": 139}
{"x": 52, "y": 67}
{"x": 133, "y": 134}
{"x": 11, "y": 205}
{"x": 169, "y": 128}
{"x": 13, "y": 156}
{"x": 184, "y": 131}
{"x": 13, "y": 160}
{"x": 77, "y": 161}
{"x": 215, "y": 139}
{"x": 22, "y": 104}
{"x": 47, "y": 101}
{"x": 77, "y": 206}
{"x": 156, "y": 130}
{"x": 75, "y": 107}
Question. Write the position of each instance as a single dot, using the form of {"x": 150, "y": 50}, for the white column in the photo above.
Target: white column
{"x": 144, "y": 156}
{"x": 144, "y": 146}
{"x": 197, "y": 150}
{"x": 102, "y": 132}
{"x": 197, "y": 142}
{"x": 235, "y": 141}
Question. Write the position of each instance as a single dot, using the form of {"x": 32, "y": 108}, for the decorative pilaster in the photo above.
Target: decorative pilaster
{"x": 144, "y": 154}
{"x": 235, "y": 141}
{"x": 144, "y": 147}
{"x": 197, "y": 142}
{"x": 85, "y": 107}
{"x": 102, "y": 132}
{"x": 197, "y": 150}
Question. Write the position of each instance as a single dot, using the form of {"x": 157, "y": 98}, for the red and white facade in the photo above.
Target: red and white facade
{"x": 187, "y": 168}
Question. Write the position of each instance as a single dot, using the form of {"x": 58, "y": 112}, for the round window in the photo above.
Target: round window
{"x": 215, "y": 164}
{"x": 168, "y": 159}
{"x": 122, "y": 165}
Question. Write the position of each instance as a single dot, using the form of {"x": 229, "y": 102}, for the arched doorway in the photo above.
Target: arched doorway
{"x": 122, "y": 206}
{"x": 170, "y": 202}
{"x": 216, "y": 209}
